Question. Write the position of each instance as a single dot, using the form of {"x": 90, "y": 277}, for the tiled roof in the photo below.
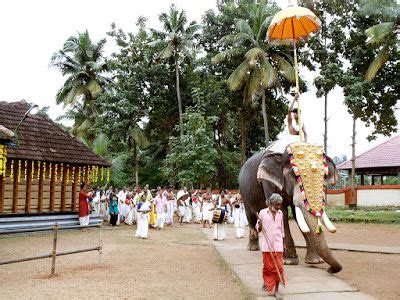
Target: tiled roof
{"x": 42, "y": 139}
{"x": 384, "y": 155}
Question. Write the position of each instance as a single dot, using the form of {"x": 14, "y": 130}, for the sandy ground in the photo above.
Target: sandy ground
{"x": 374, "y": 274}
{"x": 177, "y": 263}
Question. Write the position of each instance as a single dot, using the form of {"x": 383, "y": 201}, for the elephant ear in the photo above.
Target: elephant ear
{"x": 270, "y": 169}
{"x": 333, "y": 174}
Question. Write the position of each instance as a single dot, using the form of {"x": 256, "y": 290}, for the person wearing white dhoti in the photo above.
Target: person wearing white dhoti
{"x": 161, "y": 209}
{"x": 187, "y": 216}
{"x": 240, "y": 216}
{"x": 207, "y": 207}
{"x": 129, "y": 215}
{"x": 181, "y": 197}
{"x": 170, "y": 197}
{"x": 196, "y": 205}
{"x": 291, "y": 131}
{"x": 121, "y": 205}
{"x": 104, "y": 206}
{"x": 143, "y": 210}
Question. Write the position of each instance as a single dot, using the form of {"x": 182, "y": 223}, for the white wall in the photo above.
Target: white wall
{"x": 378, "y": 197}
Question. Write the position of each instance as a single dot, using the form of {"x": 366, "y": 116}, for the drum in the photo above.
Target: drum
{"x": 220, "y": 216}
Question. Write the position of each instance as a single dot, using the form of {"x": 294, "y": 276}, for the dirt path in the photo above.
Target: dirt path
{"x": 177, "y": 263}
{"x": 371, "y": 273}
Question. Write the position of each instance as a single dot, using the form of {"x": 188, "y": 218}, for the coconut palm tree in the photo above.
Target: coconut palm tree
{"x": 176, "y": 41}
{"x": 383, "y": 34}
{"x": 262, "y": 62}
{"x": 82, "y": 61}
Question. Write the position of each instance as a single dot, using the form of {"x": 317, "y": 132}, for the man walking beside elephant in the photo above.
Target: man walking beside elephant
{"x": 270, "y": 223}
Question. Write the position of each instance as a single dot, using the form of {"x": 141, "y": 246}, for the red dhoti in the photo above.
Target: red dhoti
{"x": 269, "y": 272}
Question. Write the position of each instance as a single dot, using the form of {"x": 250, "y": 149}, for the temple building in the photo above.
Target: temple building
{"x": 379, "y": 165}
{"x": 42, "y": 165}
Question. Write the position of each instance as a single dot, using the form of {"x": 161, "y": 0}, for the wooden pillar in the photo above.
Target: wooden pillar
{"x": 74, "y": 185}
{"x": 86, "y": 168}
{"x": 64, "y": 187}
{"x": 362, "y": 179}
{"x": 52, "y": 188}
{"x": 381, "y": 179}
{"x": 40, "y": 192}
{"x": 15, "y": 187}
{"x": 2, "y": 189}
{"x": 28, "y": 188}
{"x": 372, "y": 180}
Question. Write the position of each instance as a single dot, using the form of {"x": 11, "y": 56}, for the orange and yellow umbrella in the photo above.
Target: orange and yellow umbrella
{"x": 288, "y": 26}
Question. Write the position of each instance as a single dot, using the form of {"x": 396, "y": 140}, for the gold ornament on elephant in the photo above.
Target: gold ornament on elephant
{"x": 308, "y": 163}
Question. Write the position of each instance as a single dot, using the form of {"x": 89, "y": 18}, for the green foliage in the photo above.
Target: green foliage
{"x": 191, "y": 161}
{"x": 82, "y": 61}
{"x": 374, "y": 215}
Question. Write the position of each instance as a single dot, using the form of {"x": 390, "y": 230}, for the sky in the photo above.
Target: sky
{"x": 31, "y": 31}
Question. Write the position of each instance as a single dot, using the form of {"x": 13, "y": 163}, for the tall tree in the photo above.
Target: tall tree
{"x": 321, "y": 52}
{"x": 371, "y": 102}
{"x": 262, "y": 62}
{"x": 176, "y": 42}
{"x": 383, "y": 36}
{"x": 82, "y": 61}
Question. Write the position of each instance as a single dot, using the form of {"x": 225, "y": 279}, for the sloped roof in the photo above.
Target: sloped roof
{"x": 42, "y": 139}
{"x": 384, "y": 155}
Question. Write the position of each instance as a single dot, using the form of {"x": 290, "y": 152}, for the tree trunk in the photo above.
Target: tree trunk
{"x": 264, "y": 114}
{"x": 244, "y": 134}
{"x": 136, "y": 166}
{"x": 326, "y": 124}
{"x": 353, "y": 165}
{"x": 178, "y": 94}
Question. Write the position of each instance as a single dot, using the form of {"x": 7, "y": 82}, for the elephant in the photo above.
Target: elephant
{"x": 278, "y": 177}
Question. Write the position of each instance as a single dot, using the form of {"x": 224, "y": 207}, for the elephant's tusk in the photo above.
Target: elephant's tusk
{"x": 328, "y": 224}
{"x": 301, "y": 221}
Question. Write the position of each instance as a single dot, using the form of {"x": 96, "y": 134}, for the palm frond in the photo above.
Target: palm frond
{"x": 167, "y": 52}
{"x": 254, "y": 86}
{"x": 100, "y": 145}
{"x": 269, "y": 77}
{"x": 285, "y": 67}
{"x": 262, "y": 32}
{"x": 242, "y": 26}
{"x": 226, "y": 55}
{"x": 377, "y": 63}
{"x": 94, "y": 88}
{"x": 238, "y": 77}
{"x": 255, "y": 54}
{"x": 378, "y": 33}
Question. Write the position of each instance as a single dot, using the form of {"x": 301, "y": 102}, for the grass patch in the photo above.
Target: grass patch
{"x": 375, "y": 215}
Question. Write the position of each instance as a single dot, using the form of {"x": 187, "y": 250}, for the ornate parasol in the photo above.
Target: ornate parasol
{"x": 288, "y": 26}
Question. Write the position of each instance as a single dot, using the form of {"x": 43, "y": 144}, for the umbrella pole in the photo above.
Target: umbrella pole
{"x": 296, "y": 73}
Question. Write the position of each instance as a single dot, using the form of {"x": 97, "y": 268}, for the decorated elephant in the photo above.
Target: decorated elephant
{"x": 299, "y": 174}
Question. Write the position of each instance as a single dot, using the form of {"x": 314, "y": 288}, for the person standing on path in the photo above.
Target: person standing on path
{"x": 161, "y": 209}
{"x": 84, "y": 206}
{"x": 113, "y": 207}
{"x": 270, "y": 223}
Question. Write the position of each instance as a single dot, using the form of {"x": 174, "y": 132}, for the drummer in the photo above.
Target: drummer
{"x": 223, "y": 202}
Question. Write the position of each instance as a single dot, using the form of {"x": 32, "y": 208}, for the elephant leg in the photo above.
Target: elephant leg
{"x": 253, "y": 234}
{"x": 290, "y": 256}
{"x": 312, "y": 256}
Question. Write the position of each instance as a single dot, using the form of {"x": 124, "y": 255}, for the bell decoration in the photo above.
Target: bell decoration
{"x": 25, "y": 169}
{"x": 44, "y": 169}
{"x": 318, "y": 229}
{"x": 55, "y": 172}
{"x": 73, "y": 174}
{"x": 38, "y": 171}
{"x": 67, "y": 174}
{"x": 79, "y": 174}
{"x": 3, "y": 160}
{"x": 19, "y": 170}
{"x": 33, "y": 170}
{"x": 50, "y": 170}
{"x": 108, "y": 174}
{"x": 61, "y": 172}
{"x": 12, "y": 170}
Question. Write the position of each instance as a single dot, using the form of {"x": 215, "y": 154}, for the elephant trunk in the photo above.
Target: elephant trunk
{"x": 326, "y": 254}
{"x": 321, "y": 247}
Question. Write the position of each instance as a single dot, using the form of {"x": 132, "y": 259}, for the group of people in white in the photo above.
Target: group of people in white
{"x": 158, "y": 209}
